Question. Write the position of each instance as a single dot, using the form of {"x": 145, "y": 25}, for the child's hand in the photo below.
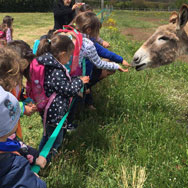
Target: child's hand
{"x": 123, "y": 70}
{"x": 85, "y": 79}
{"x": 75, "y": 6}
{"x": 30, "y": 109}
{"x": 126, "y": 64}
{"x": 105, "y": 44}
{"x": 36, "y": 174}
{"x": 41, "y": 161}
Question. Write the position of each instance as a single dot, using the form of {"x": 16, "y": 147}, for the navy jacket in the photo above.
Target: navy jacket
{"x": 63, "y": 15}
{"x": 15, "y": 171}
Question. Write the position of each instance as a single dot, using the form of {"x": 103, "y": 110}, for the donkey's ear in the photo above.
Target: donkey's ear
{"x": 183, "y": 16}
{"x": 173, "y": 18}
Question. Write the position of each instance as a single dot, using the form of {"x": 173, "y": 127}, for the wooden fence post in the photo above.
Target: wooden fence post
{"x": 102, "y": 7}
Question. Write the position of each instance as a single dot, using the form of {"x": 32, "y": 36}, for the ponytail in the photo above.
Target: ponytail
{"x": 44, "y": 46}
{"x": 57, "y": 44}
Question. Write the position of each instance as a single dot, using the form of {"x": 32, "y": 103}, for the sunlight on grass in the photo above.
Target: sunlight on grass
{"x": 137, "y": 180}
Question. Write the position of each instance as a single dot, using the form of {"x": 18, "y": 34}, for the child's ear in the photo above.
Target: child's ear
{"x": 62, "y": 53}
{"x": 88, "y": 31}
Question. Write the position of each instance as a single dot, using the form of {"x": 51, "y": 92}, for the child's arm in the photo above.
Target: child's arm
{"x": 8, "y": 35}
{"x": 105, "y": 53}
{"x": 92, "y": 55}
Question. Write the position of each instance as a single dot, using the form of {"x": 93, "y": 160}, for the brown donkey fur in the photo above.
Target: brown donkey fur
{"x": 166, "y": 44}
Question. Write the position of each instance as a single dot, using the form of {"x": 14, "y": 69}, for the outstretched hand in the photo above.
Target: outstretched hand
{"x": 123, "y": 70}
{"x": 126, "y": 64}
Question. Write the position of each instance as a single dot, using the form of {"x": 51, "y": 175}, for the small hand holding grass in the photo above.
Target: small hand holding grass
{"x": 85, "y": 79}
{"x": 123, "y": 70}
{"x": 126, "y": 64}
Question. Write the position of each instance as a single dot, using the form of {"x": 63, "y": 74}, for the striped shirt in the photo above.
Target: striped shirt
{"x": 88, "y": 50}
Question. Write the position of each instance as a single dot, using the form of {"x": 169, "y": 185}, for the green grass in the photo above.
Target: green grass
{"x": 140, "y": 19}
{"x": 140, "y": 121}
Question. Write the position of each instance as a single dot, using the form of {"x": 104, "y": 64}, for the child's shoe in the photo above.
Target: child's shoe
{"x": 71, "y": 127}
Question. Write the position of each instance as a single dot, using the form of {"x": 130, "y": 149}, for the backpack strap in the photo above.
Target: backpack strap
{"x": 52, "y": 97}
{"x": 15, "y": 152}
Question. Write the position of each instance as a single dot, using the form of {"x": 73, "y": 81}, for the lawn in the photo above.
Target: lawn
{"x": 137, "y": 137}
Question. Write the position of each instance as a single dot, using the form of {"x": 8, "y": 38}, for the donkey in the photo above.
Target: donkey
{"x": 166, "y": 44}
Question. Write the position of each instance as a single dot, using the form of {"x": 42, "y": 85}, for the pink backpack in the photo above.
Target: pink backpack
{"x": 73, "y": 66}
{"x": 2, "y": 35}
{"x": 35, "y": 88}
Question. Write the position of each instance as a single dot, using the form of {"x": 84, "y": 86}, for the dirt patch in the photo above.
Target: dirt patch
{"x": 183, "y": 58}
{"x": 137, "y": 34}
{"x": 153, "y": 20}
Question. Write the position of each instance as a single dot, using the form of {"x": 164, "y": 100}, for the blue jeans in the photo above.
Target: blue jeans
{"x": 57, "y": 143}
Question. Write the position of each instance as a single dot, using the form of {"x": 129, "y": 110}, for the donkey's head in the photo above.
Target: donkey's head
{"x": 167, "y": 43}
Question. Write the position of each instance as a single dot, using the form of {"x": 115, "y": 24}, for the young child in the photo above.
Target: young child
{"x": 9, "y": 68}
{"x": 11, "y": 71}
{"x": 54, "y": 53}
{"x": 6, "y": 29}
{"x": 26, "y": 54}
{"x": 15, "y": 169}
{"x": 88, "y": 8}
{"x": 89, "y": 24}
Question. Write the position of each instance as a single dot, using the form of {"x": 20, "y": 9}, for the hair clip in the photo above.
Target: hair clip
{"x": 70, "y": 36}
{"x": 49, "y": 41}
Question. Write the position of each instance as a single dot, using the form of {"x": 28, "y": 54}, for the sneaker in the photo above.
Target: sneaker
{"x": 71, "y": 127}
{"x": 91, "y": 107}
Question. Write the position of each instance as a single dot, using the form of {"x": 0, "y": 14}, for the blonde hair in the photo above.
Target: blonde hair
{"x": 10, "y": 72}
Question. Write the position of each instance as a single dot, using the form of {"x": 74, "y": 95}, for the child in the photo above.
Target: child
{"x": 15, "y": 169}
{"x": 88, "y": 8}
{"x": 89, "y": 24}
{"x": 6, "y": 29}
{"x": 9, "y": 68}
{"x": 11, "y": 71}
{"x": 25, "y": 52}
{"x": 54, "y": 53}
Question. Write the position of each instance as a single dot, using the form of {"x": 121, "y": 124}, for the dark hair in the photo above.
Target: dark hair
{"x": 10, "y": 68}
{"x": 48, "y": 35}
{"x": 25, "y": 52}
{"x": 87, "y": 20}
{"x": 8, "y": 21}
{"x": 55, "y": 45}
{"x": 85, "y": 8}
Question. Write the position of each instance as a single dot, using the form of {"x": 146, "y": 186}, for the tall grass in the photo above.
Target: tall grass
{"x": 135, "y": 138}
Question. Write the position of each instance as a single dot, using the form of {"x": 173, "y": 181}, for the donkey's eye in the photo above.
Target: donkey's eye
{"x": 164, "y": 38}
